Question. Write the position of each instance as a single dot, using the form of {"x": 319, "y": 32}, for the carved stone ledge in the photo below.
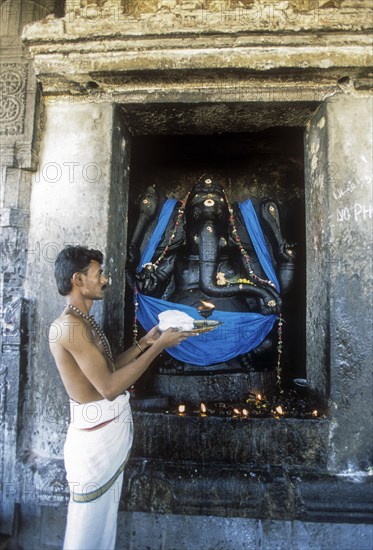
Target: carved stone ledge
{"x": 234, "y": 14}
{"x": 171, "y": 42}
{"x": 103, "y": 67}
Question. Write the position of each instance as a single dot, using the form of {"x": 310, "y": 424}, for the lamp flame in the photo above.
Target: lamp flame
{"x": 259, "y": 397}
{"x": 314, "y": 413}
{"x": 209, "y": 305}
{"x": 236, "y": 412}
{"x": 279, "y": 410}
{"x": 203, "y": 408}
{"x": 245, "y": 412}
{"x": 181, "y": 409}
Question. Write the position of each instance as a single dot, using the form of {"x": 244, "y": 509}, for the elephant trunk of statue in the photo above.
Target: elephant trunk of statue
{"x": 269, "y": 300}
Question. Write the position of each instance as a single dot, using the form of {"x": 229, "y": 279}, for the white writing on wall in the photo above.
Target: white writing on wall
{"x": 357, "y": 212}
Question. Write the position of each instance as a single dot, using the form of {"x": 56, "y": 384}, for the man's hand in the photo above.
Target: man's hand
{"x": 172, "y": 337}
{"x": 150, "y": 338}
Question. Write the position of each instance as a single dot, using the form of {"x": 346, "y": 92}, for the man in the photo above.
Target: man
{"x": 99, "y": 436}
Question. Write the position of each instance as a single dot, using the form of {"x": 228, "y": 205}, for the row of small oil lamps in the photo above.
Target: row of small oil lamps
{"x": 241, "y": 413}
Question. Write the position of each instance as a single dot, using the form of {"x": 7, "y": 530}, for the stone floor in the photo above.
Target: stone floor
{"x": 144, "y": 531}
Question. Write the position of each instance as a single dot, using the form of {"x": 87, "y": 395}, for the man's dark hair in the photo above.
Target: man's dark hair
{"x": 71, "y": 260}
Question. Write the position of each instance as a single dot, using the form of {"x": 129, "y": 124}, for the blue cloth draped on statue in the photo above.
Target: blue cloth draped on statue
{"x": 240, "y": 332}
{"x": 164, "y": 217}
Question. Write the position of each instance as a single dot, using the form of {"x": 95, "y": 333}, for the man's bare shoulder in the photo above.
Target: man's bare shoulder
{"x": 68, "y": 329}
{"x": 67, "y": 319}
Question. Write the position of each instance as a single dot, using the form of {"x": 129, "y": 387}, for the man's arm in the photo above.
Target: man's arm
{"x": 94, "y": 365}
{"x": 134, "y": 351}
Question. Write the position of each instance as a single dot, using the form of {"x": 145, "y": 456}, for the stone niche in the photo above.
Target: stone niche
{"x": 209, "y": 95}
{"x": 180, "y": 144}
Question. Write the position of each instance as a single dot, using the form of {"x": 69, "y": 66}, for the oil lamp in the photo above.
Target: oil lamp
{"x": 203, "y": 409}
{"x": 206, "y": 309}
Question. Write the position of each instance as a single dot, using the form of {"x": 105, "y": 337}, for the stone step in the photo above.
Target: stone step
{"x": 243, "y": 491}
{"x": 255, "y": 441}
{"x": 225, "y": 387}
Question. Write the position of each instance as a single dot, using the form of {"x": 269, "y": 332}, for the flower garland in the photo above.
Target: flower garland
{"x": 244, "y": 254}
{"x": 279, "y": 353}
{"x": 135, "y": 329}
{"x": 154, "y": 265}
{"x": 221, "y": 280}
{"x": 135, "y": 326}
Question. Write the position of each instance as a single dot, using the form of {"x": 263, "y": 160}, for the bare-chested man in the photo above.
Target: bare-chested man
{"x": 99, "y": 437}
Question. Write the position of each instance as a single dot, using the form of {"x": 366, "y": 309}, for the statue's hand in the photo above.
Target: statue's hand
{"x": 133, "y": 255}
{"x": 288, "y": 251}
{"x": 148, "y": 203}
{"x": 269, "y": 303}
{"x": 147, "y": 281}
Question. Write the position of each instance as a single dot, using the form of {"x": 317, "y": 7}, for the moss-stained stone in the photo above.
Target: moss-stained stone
{"x": 247, "y": 14}
{"x": 154, "y": 47}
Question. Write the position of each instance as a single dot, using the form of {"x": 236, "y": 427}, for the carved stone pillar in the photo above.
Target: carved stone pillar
{"x": 18, "y": 148}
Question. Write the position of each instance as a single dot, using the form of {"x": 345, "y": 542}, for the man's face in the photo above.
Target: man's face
{"x": 94, "y": 282}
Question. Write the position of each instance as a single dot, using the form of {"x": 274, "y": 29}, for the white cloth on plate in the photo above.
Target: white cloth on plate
{"x": 175, "y": 319}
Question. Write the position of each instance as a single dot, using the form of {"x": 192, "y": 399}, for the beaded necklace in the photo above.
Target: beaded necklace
{"x": 96, "y": 327}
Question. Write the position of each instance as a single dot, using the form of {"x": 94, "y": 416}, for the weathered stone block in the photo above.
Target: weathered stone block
{"x": 256, "y": 442}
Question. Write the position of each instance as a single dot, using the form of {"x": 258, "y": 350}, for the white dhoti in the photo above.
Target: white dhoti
{"x": 94, "y": 462}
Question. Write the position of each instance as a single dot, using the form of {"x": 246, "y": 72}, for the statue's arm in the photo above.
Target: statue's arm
{"x": 153, "y": 280}
{"x": 148, "y": 207}
{"x": 284, "y": 252}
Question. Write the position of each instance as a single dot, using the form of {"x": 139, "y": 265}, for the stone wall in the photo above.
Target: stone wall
{"x": 73, "y": 178}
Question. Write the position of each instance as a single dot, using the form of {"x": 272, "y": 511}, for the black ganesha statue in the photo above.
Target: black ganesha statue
{"x": 208, "y": 253}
